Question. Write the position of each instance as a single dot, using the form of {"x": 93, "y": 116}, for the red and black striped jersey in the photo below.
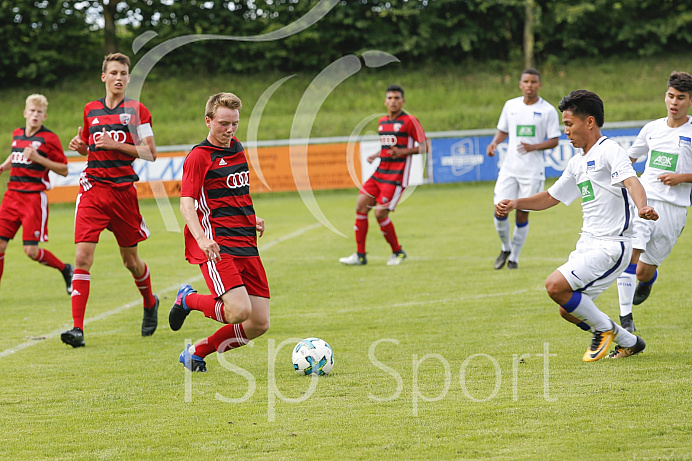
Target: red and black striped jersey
{"x": 218, "y": 179}
{"x": 403, "y": 131}
{"x": 25, "y": 175}
{"x": 128, "y": 122}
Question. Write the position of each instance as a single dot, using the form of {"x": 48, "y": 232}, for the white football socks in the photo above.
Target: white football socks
{"x": 502, "y": 228}
{"x": 627, "y": 284}
{"x": 518, "y": 239}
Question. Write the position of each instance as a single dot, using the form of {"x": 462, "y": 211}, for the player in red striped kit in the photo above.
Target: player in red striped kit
{"x": 401, "y": 136}
{"x": 116, "y": 131}
{"x": 221, "y": 237}
{"x": 35, "y": 151}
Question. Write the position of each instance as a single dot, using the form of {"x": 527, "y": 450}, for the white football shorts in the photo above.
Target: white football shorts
{"x": 595, "y": 264}
{"x": 509, "y": 187}
{"x": 657, "y": 238}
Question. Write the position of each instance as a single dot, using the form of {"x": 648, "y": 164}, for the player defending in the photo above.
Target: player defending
{"x": 532, "y": 125}
{"x": 221, "y": 236}
{"x": 117, "y": 130}
{"x": 668, "y": 144}
{"x": 35, "y": 151}
{"x": 401, "y": 136}
{"x": 601, "y": 174}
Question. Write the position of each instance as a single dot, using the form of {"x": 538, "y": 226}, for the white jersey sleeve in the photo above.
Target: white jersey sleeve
{"x": 565, "y": 188}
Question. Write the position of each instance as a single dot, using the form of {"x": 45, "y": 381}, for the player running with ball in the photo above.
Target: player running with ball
{"x": 221, "y": 237}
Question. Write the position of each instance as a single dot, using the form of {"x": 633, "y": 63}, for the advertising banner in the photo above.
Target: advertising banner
{"x": 464, "y": 159}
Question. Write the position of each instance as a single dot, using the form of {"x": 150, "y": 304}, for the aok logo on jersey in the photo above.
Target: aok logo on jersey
{"x": 526, "y": 130}
{"x": 117, "y": 135}
{"x": 236, "y": 180}
{"x": 663, "y": 160}
{"x": 388, "y": 140}
{"x": 586, "y": 190}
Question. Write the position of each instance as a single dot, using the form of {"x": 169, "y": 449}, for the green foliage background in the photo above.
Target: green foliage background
{"x": 48, "y": 41}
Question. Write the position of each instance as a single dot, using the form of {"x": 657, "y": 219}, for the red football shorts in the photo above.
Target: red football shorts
{"x": 385, "y": 194}
{"x": 26, "y": 209}
{"x": 232, "y": 272}
{"x": 113, "y": 208}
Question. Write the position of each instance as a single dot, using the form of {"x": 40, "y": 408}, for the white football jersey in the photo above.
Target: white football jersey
{"x": 669, "y": 150}
{"x": 531, "y": 124}
{"x": 597, "y": 178}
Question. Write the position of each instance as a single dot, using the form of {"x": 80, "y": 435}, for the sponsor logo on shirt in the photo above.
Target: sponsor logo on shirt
{"x": 125, "y": 118}
{"x": 663, "y": 160}
{"x": 614, "y": 176}
{"x": 526, "y": 130}
{"x": 590, "y": 165}
{"x": 236, "y": 180}
{"x": 95, "y": 121}
{"x": 223, "y": 162}
{"x": 117, "y": 135}
{"x": 685, "y": 141}
{"x": 388, "y": 140}
{"x": 586, "y": 190}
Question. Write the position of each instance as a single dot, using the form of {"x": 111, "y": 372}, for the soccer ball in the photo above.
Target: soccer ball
{"x": 312, "y": 356}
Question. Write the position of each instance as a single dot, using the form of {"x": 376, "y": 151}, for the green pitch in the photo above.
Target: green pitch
{"x": 439, "y": 358}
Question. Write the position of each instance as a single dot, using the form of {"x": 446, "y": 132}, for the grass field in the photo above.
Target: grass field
{"x": 439, "y": 358}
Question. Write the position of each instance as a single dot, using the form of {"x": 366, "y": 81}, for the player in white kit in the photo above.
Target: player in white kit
{"x": 667, "y": 179}
{"x": 601, "y": 174}
{"x": 532, "y": 125}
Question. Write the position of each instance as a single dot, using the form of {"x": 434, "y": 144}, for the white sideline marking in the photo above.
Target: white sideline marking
{"x": 137, "y": 303}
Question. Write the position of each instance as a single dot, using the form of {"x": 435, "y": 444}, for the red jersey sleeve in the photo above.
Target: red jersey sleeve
{"x": 54, "y": 149}
{"x": 195, "y": 170}
{"x": 415, "y": 129}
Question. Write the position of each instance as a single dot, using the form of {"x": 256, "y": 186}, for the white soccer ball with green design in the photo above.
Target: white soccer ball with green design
{"x": 312, "y": 356}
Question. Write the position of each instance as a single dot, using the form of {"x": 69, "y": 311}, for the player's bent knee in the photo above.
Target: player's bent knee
{"x": 31, "y": 251}
{"x": 236, "y": 313}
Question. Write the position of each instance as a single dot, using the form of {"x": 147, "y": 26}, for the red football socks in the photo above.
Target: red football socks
{"x": 144, "y": 286}
{"x": 387, "y": 228}
{"x": 81, "y": 281}
{"x": 226, "y": 338}
{"x": 207, "y": 304}
{"x": 361, "y": 228}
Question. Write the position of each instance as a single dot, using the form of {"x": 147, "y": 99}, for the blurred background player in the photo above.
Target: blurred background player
{"x": 221, "y": 237}
{"x": 117, "y": 130}
{"x": 667, "y": 143}
{"x": 35, "y": 151}
{"x": 599, "y": 173}
{"x": 401, "y": 136}
{"x": 532, "y": 125}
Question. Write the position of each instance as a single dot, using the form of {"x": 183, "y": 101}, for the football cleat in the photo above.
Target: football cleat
{"x": 512, "y": 265}
{"x": 356, "y": 259}
{"x": 599, "y": 345}
{"x": 192, "y": 362}
{"x": 627, "y": 322}
{"x": 501, "y": 259}
{"x": 621, "y": 352}
{"x": 641, "y": 293}
{"x": 150, "y": 320}
{"x": 179, "y": 311}
{"x": 396, "y": 258}
{"x": 73, "y": 337}
{"x": 67, "y": 274}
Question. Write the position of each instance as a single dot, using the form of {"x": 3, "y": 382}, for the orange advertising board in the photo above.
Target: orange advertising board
{"x": 328, "y": 166}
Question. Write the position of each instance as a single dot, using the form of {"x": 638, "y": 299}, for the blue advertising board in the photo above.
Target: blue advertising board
{"x": 463, "y": 159}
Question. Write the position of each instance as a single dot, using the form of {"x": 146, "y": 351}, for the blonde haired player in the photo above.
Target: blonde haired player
{"x": 35, "y": 151}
